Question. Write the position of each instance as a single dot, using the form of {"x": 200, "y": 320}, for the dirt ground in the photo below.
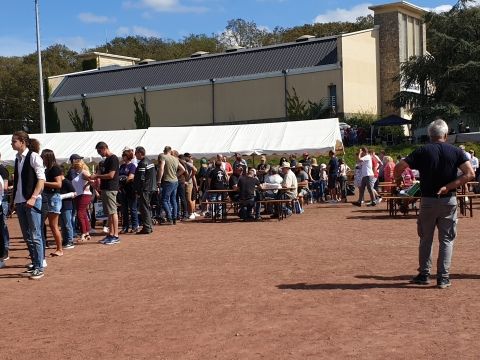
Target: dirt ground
{"x": 331, "y": 283}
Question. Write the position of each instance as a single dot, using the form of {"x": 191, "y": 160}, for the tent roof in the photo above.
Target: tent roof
{"x": 314, "y": 136}
{"x": 392, "y": 120}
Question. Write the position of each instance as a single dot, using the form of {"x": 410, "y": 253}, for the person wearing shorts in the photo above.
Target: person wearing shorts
{"x": 109, "y": 188}
{"x": 51, "y": 192}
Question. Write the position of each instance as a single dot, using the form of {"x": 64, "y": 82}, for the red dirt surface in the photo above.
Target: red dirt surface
{"x": 331, "y": 283}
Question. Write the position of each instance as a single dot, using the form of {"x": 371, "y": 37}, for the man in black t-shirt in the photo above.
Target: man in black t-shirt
{"x": 246, "y": 187}
{"x": 109, "y": 189}
{"x": 233, "y": 181}
{"x": 332, "y": 171}
{"x": 437, "y": 163}
{"x": 217, "y": 180}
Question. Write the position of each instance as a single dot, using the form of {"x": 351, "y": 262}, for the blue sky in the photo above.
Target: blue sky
{"x": 87, "y": 23}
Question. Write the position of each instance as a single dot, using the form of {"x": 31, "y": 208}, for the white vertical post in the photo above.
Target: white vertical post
{"x": 40, "y": 75}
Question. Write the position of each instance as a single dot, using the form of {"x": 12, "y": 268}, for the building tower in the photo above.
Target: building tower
{"x": 402, "y": 34}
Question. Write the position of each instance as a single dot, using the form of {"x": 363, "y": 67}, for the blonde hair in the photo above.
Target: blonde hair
{"x": 79, "y": 165}
{"x": 388, "y": 159}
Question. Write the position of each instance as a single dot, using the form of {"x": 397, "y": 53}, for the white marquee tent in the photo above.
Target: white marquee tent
{"x": 314, "y": 136}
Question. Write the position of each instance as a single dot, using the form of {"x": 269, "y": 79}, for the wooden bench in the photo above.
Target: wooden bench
{"x": 214, "y": 213}
{"x": 466, "y": 207}
{"x": 394, "y": 203}
{"x": 278, "y": 206}
{"x": 227, "y": 205}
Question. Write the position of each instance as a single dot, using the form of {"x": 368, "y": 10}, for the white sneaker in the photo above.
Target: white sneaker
{"x": 30, "y": 266}
{"x": 2, "y": 264}
{"x": 192, "y": 216}
{"x": 106, "y": 230}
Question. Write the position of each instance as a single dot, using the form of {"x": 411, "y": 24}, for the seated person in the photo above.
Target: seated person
{"x": 272, "y": 179}
{"x": 289, "y": 181}
{"x": 388, "y": 169}
{"x": 302, "y": 182}
{"x": 290, "y": 185}
{"x": 246, "y": 188}
{"x": 408, "y": 177}
{"x": 233, "y": 181}
{"x": 262, "y": 169}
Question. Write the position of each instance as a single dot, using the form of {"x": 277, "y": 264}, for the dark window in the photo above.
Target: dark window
{"x": 332, "y": 96}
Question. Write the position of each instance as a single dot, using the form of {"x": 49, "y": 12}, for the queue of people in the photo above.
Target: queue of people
{"x": 70, "y": 202}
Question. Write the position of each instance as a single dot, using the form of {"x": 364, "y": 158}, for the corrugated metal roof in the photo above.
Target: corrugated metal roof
{"x": 241, "y": 63}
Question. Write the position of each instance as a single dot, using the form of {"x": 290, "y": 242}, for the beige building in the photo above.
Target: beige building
{"x": 352, "y": 72}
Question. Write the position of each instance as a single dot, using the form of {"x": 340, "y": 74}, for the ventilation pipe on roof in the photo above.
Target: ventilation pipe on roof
{"x": 199, "y": 53}
{"x": 145, "y": 61}
{"x": 304, "y": 38}
{"x": 234, "y": 48}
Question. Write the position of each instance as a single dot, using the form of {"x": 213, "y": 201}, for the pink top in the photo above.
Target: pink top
{"x": 388, "y": 171}
{"x": 408, "y": 177}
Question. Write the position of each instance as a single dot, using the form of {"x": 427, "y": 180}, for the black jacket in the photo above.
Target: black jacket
{"x": 145, "y": 178}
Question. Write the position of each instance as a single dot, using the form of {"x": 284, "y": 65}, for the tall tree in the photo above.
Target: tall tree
{"x": 142, "y": 118}
{"x": 449, "y": 76}
{"x": 239, "y": 32}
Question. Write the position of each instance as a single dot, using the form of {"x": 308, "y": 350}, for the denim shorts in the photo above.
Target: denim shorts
{"x": 54, "y": 203}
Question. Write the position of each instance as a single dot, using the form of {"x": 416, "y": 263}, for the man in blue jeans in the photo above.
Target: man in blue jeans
{"x": 29, "y": 177}
{"x": 169, "y": 168}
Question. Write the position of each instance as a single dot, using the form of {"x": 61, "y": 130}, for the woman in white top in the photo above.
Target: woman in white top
{"x": 342, "y": 178}
{"x": 366, "y": 173}
{"x": 81, "y": 184}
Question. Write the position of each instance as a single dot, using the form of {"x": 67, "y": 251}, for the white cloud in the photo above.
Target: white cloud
{"x": 343, "y": 14}
{"x": 446, "y": 7}
{"x": 90, "y": 18}
{"x": 440, "y": 8}
{"x": 76, "y": 43}
{"x": 136, "y": 30}
{"x": 165, "y": 6}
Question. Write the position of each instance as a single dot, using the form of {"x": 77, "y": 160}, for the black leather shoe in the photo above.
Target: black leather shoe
{"x": 143, "y": 232}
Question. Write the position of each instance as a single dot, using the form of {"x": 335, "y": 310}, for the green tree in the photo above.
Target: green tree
{"x": 142, "y": 118}
{"x": 56, "y": 60}
{"x": 83, "y": 123}
{"x": 448, "y": 78}
{"x": 239, "y": 32}
{"x": 298, "y": 109}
